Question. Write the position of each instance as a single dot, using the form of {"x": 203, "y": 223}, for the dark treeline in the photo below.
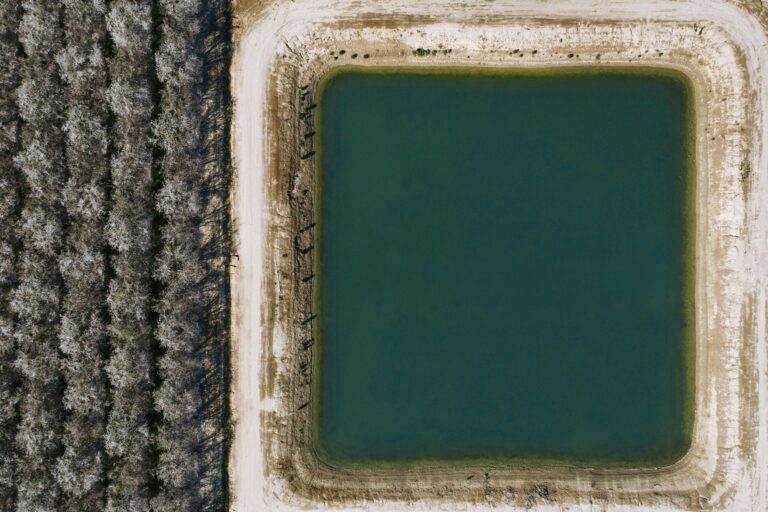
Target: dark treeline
{"x": 9, "y": 202}
{"x": 216, "y": 248}
{"x": 114, "y": 254}
{"x": 191, "y": 130}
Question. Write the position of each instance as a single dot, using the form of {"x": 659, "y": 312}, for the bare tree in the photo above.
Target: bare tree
{"x": 9, "y": 202}
{"x": 130, "y": 235}
{"x": 82, "y": 333}
{"x": 180, "y": 269}
{"x": 36, "y": 298}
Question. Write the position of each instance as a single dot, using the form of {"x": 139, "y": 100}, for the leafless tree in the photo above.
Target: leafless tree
{"x": 130, "y": 235}
{"x": 9, "y": 203}
{"x": 36, "y": 297}
{"x": 82, "y": 332}
{"x": 180, "y": 308}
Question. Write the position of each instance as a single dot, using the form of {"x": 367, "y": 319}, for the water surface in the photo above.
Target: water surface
{"x": 504, "y": 268}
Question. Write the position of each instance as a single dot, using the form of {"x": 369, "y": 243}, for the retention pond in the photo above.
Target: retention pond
{"x": 505, "y": 268}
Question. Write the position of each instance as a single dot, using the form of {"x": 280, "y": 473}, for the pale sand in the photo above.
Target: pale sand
{"x": 281, "y": 46}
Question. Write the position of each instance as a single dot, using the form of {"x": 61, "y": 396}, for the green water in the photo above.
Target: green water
{"x": 504, "y": 268}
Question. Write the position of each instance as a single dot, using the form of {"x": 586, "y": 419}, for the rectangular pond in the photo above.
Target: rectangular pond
{"x": 505, "y": 267}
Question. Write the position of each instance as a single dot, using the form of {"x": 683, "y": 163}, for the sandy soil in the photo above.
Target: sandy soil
{"x": 284, "y": 48}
